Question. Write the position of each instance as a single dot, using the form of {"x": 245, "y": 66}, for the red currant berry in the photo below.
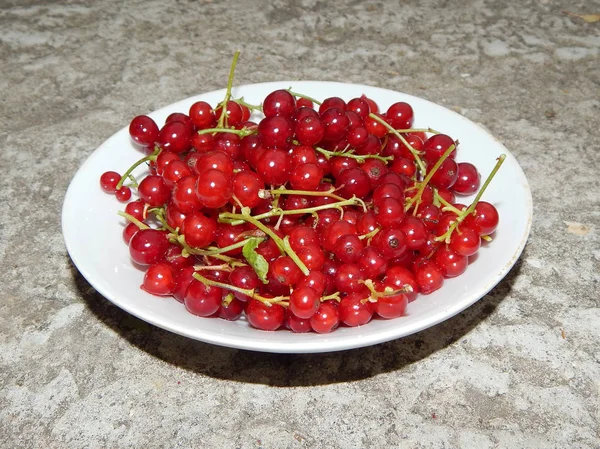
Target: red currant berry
{"x": 109, "y": 181}
{"x": 148, "y": 246}
{"x": 144, "y": 131}
{"x": 279, "y": 102}
{"x": 400, "y": 115}
{"x": 263, "y": 316}
{"x": 154, "y": 191}
{"x": 214, "y": 188}
{"x": 202, "y": 300}
{"x": 158, "y": 279}
{"x": 123, "y": 194}
{"x": 202, "y": 115}
{"x": 326, "y": 319}
{"x": 355, "y": 310}
{"x": 199, "y": 230}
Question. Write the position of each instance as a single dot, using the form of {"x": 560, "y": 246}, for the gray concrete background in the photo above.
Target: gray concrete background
{"x": 521, "y": 368}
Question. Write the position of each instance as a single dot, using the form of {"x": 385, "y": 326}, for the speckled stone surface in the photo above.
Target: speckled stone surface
{"x": 519, "y": 369}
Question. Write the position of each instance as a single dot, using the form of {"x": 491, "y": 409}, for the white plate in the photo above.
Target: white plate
{"x": 92, "y": 232}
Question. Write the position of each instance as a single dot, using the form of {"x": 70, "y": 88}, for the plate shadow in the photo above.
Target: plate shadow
{"x": 291, "y": 370}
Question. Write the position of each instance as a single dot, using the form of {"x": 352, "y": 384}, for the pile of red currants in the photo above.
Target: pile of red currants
{"x": 318, "y": 215}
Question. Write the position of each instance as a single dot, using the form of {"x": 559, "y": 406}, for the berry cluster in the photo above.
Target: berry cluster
{"x": 320, "y": 213}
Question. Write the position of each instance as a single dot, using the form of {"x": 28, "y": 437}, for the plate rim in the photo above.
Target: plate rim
{"x": 321, "y": 343}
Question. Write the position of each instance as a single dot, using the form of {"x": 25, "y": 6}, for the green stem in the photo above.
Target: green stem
{"x": 416, "y": 200}
{"x": 223, "y": 104}
{"x": 252, "y": 107}
{"x": 213, "y": 250}
{"x": 238, "y": 219}
{"x": 369, "y": 235}
{"x": 150, "y": 157}
{"x": 240, "y": 132}
{"x": 329, "y": 193}
{"x": 414, "y": 152}
{"x": 360, "y": 158}
{"x": 159, "y": 214}
{"x": 418, "y": 130}
{"x": 282, "y": 300}
{"x": 447, "y": 206}
{"x": 283, "y": 247}
{"x": 446, "y": 236}
{"x": 296, "y": 94}
{"x": 134, "y": 220}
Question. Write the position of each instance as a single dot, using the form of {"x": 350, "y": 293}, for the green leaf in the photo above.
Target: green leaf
{"x": 256, "y": 261}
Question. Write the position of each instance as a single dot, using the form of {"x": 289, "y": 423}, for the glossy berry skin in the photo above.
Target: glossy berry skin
{"x": 304, "y": 302}
{"x": 109, "y": 181}
{"x": 468, "y": 179}
{"x": 123, "y": 194}
{"x": 306, "y": 177}
{"x": 158, "y": 279}
{"x": 312, "y": 256}
{"x": 429, "y": 278}
{"x": 301, "y": 236}
{"x": 202, "y": 300}
{"x": 231, "y": 311}
{"x": 348, "y": 247}
{"x": 199, "y": 230}
{"x": 359, "y": 107}
{"x": 391, "y": 306}
{"x": 129, "y": 231}
{"x": 389, "y": 212}
{"x": 354, "y": 310}
{"x": 202, "y": 116}
{"x": 154, "y": 191}
{"x": 400, "y": 115}
{"x": 295, "y": 324}
{"x": 233, "y": 111}
{"x": 285, "y": 271}
{"x": 174, "y": 172}
{"x": 353, "y": 181}
{"x": 182, "y": 279}
{"x": 309, "y": 130}
{"x": 435, "y": 146}
{"x": 279, "y": 102}
{"x": 274, "y": 167}
{"x": 446, "y": 174}
{"x": 332, "y": 102}
{"x": 317, "y": 280}
{"x": 415, "y": 232}
{"x": 348, "y": 278}
{"x": 398, "y": 277}
{"x": 374, "y": 127}
{"x": 174, "y": 137}
{"x": 214, "y": 160}
{"x": 164, "y": 159}
{"x": 335, "y": 123}
{"x": 214, "y": 188}
{"x": 275, "y": 132}
{"x": 184, "y": 195}
{"x": 372, "y": 263}
{"x": 148, "y": 246}
{"x": 450, "y": 263}
{"x": 465, "y": 241}
{"x": 265, "y": 317}
{"x": 484, "y": 219}
{"x": 143, "y": 131}
{"x": 174, "y": 256}
{"x": 246, "y": 187}
{"x": 244, "y": 277}
{"x": 390, "y": 241}
{"x": 326, "y": 319}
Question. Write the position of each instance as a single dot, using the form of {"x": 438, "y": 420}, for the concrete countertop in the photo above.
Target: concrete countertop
{"x": 519, "y": 369}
